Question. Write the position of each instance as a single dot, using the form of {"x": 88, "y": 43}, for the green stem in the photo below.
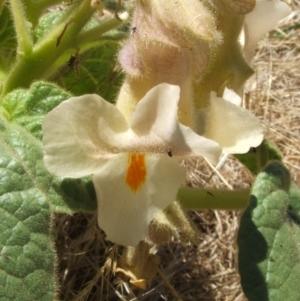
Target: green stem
{"x": 24, "y": 37}
{"x": 200, "y": 199}
{"x": 83, "y": 48}
{"x": 96, "y": 32}
{"x": 46, "y": 52}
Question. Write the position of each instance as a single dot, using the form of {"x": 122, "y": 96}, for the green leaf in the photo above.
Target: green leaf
{"x": 96, "y": 72}
{"x": 269, "y": 238}
{"x": 29, "y": 107}
{"x": 258, "y": 157}
{"x": 27, "y": 252}
{"x": 73, "y": 195}
{"x": 49, "y": 20}
{"x": 46, "y": 23}
{"x": 28, "y": 197}
{"x": 294, "y": 198}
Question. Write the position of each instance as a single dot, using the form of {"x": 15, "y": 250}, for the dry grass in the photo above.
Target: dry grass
{"x": 274, "y": 91}
{"x": 206, "y": 271}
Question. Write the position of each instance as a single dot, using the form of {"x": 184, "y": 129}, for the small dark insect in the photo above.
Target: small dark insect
{"x": 133, "y": 30}
{"x": 74, "y": 62}
{"x": 210, "y": 193}
{"x": 170, "y": 154}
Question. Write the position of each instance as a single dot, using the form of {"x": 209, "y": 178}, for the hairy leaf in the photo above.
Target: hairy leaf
{"x": 269, "y": 238}
{"x": 28, "y": 108}
{"x": 49, "y": 20}
{"x": 95, "y": 71}
{"x": 27, "y": 253}
{"x": 46, "y": 23}
{"x": 28, "y": 197}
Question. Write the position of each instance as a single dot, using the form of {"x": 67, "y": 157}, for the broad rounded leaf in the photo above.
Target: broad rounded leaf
{"x": 27, "y": 252}
{"x": 46, "y": 23}
{"x": 28, "y": 197}
{"x": 95, "y": 71}
{"x": 29, "y": 107}
{"x": 269, "y": 238}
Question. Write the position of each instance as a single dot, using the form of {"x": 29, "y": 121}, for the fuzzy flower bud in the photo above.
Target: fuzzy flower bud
{"x": 170, "y": 42}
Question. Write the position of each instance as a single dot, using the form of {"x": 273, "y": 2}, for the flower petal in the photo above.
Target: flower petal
{"x": 157, "y": 111}
{"x": 125, "y": 210}
{"x": 233, "y": 127}
{"x": 188, "y": 143}
{"x": 155, "y": 117}
{"x": 264, "y": 17}
{"x": 71, "y": 135}
{"x": 231, "y": 96}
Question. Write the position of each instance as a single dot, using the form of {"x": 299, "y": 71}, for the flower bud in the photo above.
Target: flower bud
{"x": 172, "y": 223}
{"x": 170, "y": 43}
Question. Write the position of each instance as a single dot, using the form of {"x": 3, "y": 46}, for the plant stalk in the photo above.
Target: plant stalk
{"x": 203, "y": 199}
{"x": 24, "y": 38}
{"x": 33, "y": 66}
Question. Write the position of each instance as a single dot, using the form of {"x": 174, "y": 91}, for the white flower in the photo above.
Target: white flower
{"x": 263, "y": 18}
{"x": 134, "y": 170}
{"x": 233, "y": 127}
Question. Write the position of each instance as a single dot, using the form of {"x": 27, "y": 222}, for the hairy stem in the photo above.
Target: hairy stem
{"x": 34, "y": 65}
{"x": 96, "y": 32}
{"x": 200, "y": 199}
{"x": 24, "y": 38}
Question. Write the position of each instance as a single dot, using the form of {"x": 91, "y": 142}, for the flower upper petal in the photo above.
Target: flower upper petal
{"x": 233, "y": 127}
{"x": 155, "y": 117}
{"x": 72, "y": 135}
{"x": 263, "y": 18}
{"x": 157, "y": 111}
{"x": 126, "y": 205}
